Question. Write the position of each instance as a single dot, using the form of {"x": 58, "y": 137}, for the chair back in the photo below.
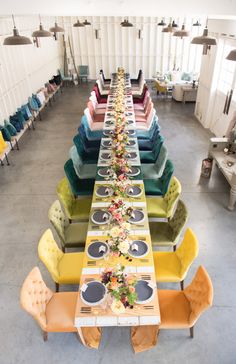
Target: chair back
{"x": 50, "y": 254}
{"x": 172, "y": 195}
{"x": 166, "y": 176}
{"x": 72, "y": 177}
{"x": 83, "y": 70}
{"x": 187, "y": 251}
{"x": 178, "y": 220}
{"x": 88, "y": 116}
{"x": 3, "y": 144}
{"x": 65, "y": 196}
{"x": 160, "y": 163}
{"x": 58, "y": 220}
{"x": 160, "y": 87}
{"x": 91, "y": 109}
{"x": 157, "y": 146}
{"x": 34, "y": 297}
{"x": 77, "y": 162}
{"x": 199, "y": 294}
{"x": 150, "y": 116}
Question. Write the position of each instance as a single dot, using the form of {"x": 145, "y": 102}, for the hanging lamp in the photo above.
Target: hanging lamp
{"x": 204, "y": 39}
{"x": 16, "y": 38}
{"x": 41, "y": 33}
{"x": 161, "y": 23}
{"x": 197, "y": 24}
{"x": 168, "y": 29}
{"x": 181, "y": 33}
{"x": 174, "y": 25}
{"x": 78, "y": 24}
{"x": 232, "y": 55}
{"x": 126, "y": 23}
{"x": 86, "y": 22}
{"x": 56, "y": 29}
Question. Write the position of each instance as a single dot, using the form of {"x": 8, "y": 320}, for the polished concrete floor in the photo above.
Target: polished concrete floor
{"x": 27, "y": 188}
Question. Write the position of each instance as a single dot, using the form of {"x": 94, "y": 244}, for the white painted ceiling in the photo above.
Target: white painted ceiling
{"x": 120, "y": 7}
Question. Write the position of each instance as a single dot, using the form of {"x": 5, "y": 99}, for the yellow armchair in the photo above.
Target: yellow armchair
{"x": 3, "y": 147}
{"x": 174, "y": 266}
{"x": 65, "y": 268}
{"x": 182, "y": 309}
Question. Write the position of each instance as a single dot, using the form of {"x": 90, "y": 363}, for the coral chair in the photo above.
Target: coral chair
{"x": 160, "y": 185}
{"x": 167, "y": 233}
{"x": 79, "y": 186}
{"x": 97, "y": 117}
{"x": 93, "y": 125}
{"x": 70, "y": 235}
{"x": 54, "y": 312}
{"x": 182, "y": 309}
{"x": 65, "y": 268}
{"x": 76, "y": 209}
{"x": 163, "y": 207}
{"x": 153, "y": 171}
{"x": 174, "y": 266}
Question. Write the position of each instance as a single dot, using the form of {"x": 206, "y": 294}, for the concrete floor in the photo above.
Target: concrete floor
{"x": 27, "y": 188}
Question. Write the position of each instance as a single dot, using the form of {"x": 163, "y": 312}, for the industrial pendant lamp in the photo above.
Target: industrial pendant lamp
{"x": 126, "y": 23}
{"x": 78, "y": 24}
{"x": 161, "y": 23}
{"x": 168, "y": 29}
{"x": 197, "y": 24}
{"x": 56, "y": 29}
{"x": 204, "y": 39}
{"x": 41, "y": 33}
{"x": 232, "y": 55}
{"x": 181, "y": 33}
{"x": 86, "y": 22}
{"x": 174, "y": 25}
{"x": 16, "y": 38}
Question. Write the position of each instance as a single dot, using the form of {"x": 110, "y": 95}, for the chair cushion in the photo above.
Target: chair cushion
{"x": 149, "y": 171}
{"x": 161, "y": 233}
{"x": 75, "y": 235}
{"x": 157, "y": 207}
{"x": 70, "y": 267}
{"x": 167, "y": 267}
{"x": 147, "y": 157}
{"x": 153, "y": 187}
{"x": 60, "y": 312}
{"x": 174, "y": 309}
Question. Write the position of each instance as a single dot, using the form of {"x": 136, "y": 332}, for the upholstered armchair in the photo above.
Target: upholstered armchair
{"x": 163, "y": 207}
{"x": 79, "y": 186}
{"x": 160, "y": 185}
{"x": 82, "y": 170}
{"x": 75, "y": 208}
{"x": 182, "y": 309}
{"x": 71, "y": 235}
{"x": 155, "y": 170}
{"x": 65, "y": 268}
{"x": 174, "y": 266}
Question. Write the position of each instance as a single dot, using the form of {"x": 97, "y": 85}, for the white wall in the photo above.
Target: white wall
{"x": 117, "y": 46}
{"x": 24, "y": 69}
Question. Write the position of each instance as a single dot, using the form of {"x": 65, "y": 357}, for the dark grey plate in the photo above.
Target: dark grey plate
{"x": 131, "y": 143}
{"x": 131, "y": 155}
{"x": 93, "y": 250}
{"x": 94, "y": 293}
{"x": 137, "y": 218}
{"x": 141, "y": 251}
{"x": 109, "y": 122}
{"x": 130, "y": 132}
{"x": 106, "y": 156}
{"x": 104, "y": 191}
{"x": 107, "y": 132}
{"x": 130, "y": 122}
{"x": 144, "y": 292}
{"x": 128, "y": 113}
{"x": 134, "y": 171}
{"x": 107, "y": 143}
{"x": 101, "y": 217}
{"x": 104, "y": 172}
{"x": 133, "y": 191}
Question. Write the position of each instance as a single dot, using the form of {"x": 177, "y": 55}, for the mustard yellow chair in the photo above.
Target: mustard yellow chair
{"x": 71, "y": 235}
{"x": 163, "y": 207}
{"x": 54, "y": 312}
{"x": 182, "y": 309}
{"x": 3, "y": 147}
{"x": 75, "y": 208}
{"x": 161, "y": 88}
{"x": 65, "y": 268}
{"x": 174, "y": 266}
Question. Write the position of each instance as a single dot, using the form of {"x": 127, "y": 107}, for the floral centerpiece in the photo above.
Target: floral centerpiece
{"x": 121, "y": 288}
{"x": 119, "y": 211}
{"x": 120, "y": 165}
{"x": 120, "y": 184}
{"x": 118, "y": 241}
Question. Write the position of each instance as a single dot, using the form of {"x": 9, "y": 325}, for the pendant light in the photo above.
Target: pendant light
{"x": 204, "y": 39}
{"x": 174, "y": 25}
{"x": 161, "y": 23}
{"x": 168, "y": 29}
{"x": 126, "y": 23}
{"x": 197, "y": 24}
{"x": 41, "y": 33}
{"x": 86, "y": 22}
{"x": 181, "y": 33}
{"x": 232, "y": 55}
{"x": 16, "y": 38}
{"x": 78, "y": 24}
{"x": 56, "y": 29}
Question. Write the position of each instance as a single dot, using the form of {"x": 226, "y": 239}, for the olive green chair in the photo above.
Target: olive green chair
{"x": 163, "y": 207}
{"x": 75, "y": 208}
{"x": 70, "y": 235}
{"x": 168, "y": 233}
{"x": 155, "y": 170}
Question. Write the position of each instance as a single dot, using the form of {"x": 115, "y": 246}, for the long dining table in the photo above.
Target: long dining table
{"x": 142, "y": 318}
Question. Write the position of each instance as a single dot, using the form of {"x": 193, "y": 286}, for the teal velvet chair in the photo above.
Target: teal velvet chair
{"x": 83, "y": 171}
{"x": 158, "y": 187}
{"x": 91, "y": 135}
{"x": 86, "y": 157}
{"x": 154, "y": 171}
{"x": 83, "y": 73}
{"x": 168, "y": 233}
{"x": 79, "y": 187}
{"x": 148, "y": 156}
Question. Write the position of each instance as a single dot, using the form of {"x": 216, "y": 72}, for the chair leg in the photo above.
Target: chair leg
{"x": 7, "y": 159}
{"x": 40, "y": 117}
{"x": 57, "y": 287}
{"x": 182, "y": 285}
{"x": 191, "y": 332}
{"x": 17, "y": 145}
{"x": 174, "y": 248}
{"x": 45, "y": 336}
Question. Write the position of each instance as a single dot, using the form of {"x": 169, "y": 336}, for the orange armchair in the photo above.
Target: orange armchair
{"x": 182, "y": 309}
